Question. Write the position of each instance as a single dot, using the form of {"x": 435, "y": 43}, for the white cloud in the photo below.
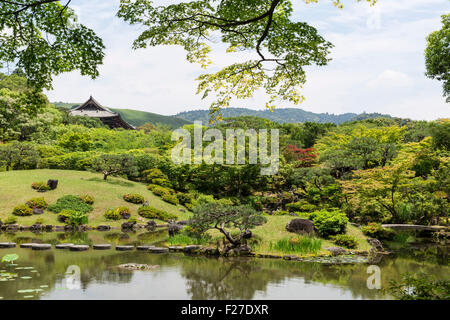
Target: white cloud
{"x": 374, "y": 69}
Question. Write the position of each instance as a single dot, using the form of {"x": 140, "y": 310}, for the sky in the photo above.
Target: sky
{"x": 377, "y": 63}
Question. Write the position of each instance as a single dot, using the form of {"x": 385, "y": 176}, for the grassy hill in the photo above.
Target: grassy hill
{"x": 285, "y": 115}
{"x": 138, "y": 118}
{"x": 107, "y": 194}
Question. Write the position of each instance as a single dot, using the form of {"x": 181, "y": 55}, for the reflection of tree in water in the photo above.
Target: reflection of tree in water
{"x": 226, "y": 278}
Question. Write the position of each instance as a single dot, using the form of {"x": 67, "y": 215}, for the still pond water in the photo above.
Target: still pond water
{"x": 42, "y": 274}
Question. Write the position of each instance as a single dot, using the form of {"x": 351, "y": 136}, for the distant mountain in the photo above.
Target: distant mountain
{"x": 138, "y": 118}
{"x": 287, "y": 115}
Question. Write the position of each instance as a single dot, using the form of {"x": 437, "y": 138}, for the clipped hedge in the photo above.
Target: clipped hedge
{"x": 153, "y": 213}
{"x": 112, "y": 214}
{"x": 40, "y": 186}
{"x": 38, "y": 203}
{"x": 87, "y": 198}
{"x": 22, "y": 211}
{"x": 346, "y": 241}
{"x": 134, "y": 198}
{"x": 329, "y": 223}
{"x": 170, "y": 198}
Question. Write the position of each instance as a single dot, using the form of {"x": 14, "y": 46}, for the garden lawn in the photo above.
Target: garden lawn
{"x": 15, "y": 189}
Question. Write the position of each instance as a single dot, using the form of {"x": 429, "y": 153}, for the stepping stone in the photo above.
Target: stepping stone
{"x": 124, "y": 248}
{"x": 176, "y": 249}
{"x": 27, "y": 245}
{"x": 144, "y": 248}
{"x": 158, "y": 250}
{"x": 79, "y": 248}
{"x": 4, "y": 245}
{"x": 101, "y": 246}
{"x": 64, "y": 246}
{"x": 191, "y": 249}
{"x": 40, "y": 247}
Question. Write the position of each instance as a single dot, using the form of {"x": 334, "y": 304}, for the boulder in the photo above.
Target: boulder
{"x": 376, "y": 244}
{"x": 247, "y": 235}
{"x": 182, "y": 222}
{"x": 103, "y": 228}
{"x": 125, "y": 216}
{"x": 242, "y": 250}
{"x": 336, "y": 250}
{"x": 27, "y": 245}
{"x": 36, "y": 227}
{"x": 49, "y": 227}
{"x": 124, "y": 248}
{"x": 151, "y": 224}
{"x": 13, "y": 227}
{"x": 191, "y": 249}
{"x": 79, "y": 248}
{"x": 53, "y": 184}
{"x": 158, "y": 250}
{"x": 64, "y": 246}
{"x": 41, "y": 246}
{"x": 101, "y": 246}
{"x": 175, "y": 249}
{"x": 127, "y": 225}
{"x": 174, "y": 228}
{"x": 300, "y": 226}
{"x": 144, "y": 248}
{"x": 59, "y": 228}
{"x": 38, "y": 211}
{"x": 5, "y": 245}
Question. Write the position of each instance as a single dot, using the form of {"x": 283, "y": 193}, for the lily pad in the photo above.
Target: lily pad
{"x": 44, "y": 286}
{"x": 26, "y": 278}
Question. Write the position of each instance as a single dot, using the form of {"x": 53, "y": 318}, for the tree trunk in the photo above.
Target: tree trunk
{"x": 105, "y": 176}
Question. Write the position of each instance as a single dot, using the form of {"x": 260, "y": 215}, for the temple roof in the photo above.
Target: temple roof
{"x": 93, "y": 109}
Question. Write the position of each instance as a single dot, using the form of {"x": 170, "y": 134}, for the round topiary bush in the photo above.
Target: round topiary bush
{"x": 22, "y": 211}
{"x": 346, "y": 241}
{"x": 38, "y": 203}
{"x": 329, "y": 223}
{"x": 134, "y": 198}
{"x": 87, "y": 198}
{"x": 170, "y": 198}
{"x": 112, "y": 214}
{"x": 153, "y": 213}
{"x": 124, "y": 212}
{"x": 40, "y": 186}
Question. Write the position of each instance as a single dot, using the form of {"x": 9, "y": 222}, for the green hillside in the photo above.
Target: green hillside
{"x": 285, "y": 115}
{"x": 107, "y": 194}
{"x": 138, "y": 118}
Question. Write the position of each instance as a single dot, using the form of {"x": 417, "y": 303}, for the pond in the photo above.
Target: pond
{"x": 42, "y": 274}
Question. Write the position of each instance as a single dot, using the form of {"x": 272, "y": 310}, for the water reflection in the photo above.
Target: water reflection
{"x": 184, "y": 277}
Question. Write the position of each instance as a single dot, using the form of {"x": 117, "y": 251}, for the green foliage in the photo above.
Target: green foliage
{"x": 70, "y": 202}
{"x": 75, "y": 141}
{"x": 153, "y": 213}
{"x": 10, "y": 258}
{"x": 437, "y": 55}
{"x": 64, "y": 215}
{"x": 297, "y": 245}
{"x": 375, "y": 230}
{"x": 440, "y": 131}
{"x": 10, "y": 220}
{"x": 68, "y": 45}
{"x": 123, "y": 211}
{"x": 19, "y": 156}
{"x": 170, "y": 198}
{"x": 77, "y": 218}
{"x": 329, "y": 223}
{"x": 88, "y": 199}
{"x": 39, "y": 203}
{"x": 419, "y": 287}
{"x": 300, "y": 206}
{"x": 243, "y": 25}
{"x": 114, "y": 164}
{"x": 345, "y": 240}
{"x": 40, "y": 186}
{"x": 281, "y": 213}
{"x": 39, "y": 221}
{"x": 22, "y": 211}
{"x": 134, "y": 198}
{"x": 223, "y": 217}
{"x": 112, "y": 214}
{"x": 185, "y": 238}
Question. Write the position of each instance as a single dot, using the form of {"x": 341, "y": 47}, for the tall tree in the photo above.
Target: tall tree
{"x": 43, "y": 38}
{"x": 437, "y": 55}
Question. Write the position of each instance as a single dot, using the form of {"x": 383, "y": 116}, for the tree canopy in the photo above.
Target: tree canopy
{"x": 437, "y": 55}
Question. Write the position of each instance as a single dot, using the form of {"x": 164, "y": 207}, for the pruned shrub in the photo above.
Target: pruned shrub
{"x": 124, "y": 212}
{"x": 64, "y": 215}
{"x": 170, "y": 198}
{"x": 375, "y": 230}
{"x": 134, "y": 198}
{"x": 112, "y": 214}
{"x": 70, "y": 202}
{"x": 184, "y": 198}
{"x": 40, "y": 186}
{"x": 346, "y": 241}
{"x": 87, "y": 198}
{"x": 77, "y": 218}
{"x": 153, "y": 213}
{"x": 281, "y": 213}
{"x": 38, "y": 203}
{"x": 300, "y": 206}
{"x": 22, "y": 211}
{"x": 10, "y": 220}
{"x": 160, "y": 191}
{"x": 329, "y": 223}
